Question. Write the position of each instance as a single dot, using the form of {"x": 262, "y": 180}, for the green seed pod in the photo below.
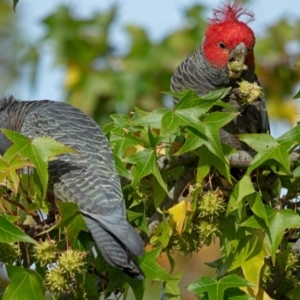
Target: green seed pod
{"x": 56, "y": 281}
{"x": 211, "y": 204}
{"x": 209, "y": 230}
{"x": 72, "y": 262}
{"x": 287, "y": 262}
{"x": 9, "y": 253}
{"x": 46, "y": 252}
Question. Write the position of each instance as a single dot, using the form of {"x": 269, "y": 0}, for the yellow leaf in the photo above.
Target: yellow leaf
{"x": 178, "y": 214}
{"x": 252, "y": 265}
{"x": 5, "y": 206}
{"x": 133, "y": 149}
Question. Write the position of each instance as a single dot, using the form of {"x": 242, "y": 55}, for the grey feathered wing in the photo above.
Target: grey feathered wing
{"x": 89, "y": 179}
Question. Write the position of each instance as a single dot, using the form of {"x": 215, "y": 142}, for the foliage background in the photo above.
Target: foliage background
{"x": 81, "y": 60}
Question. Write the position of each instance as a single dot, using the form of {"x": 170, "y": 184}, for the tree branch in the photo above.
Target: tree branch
{"x": 241, "y": 159}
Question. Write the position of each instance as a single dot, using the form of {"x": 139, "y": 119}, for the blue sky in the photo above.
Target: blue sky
{"x": 159, "y": 17}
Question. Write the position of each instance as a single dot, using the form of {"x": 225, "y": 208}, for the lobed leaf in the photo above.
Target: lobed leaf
{"x": 10, "y": 233}
{"x": 24, "y": 284}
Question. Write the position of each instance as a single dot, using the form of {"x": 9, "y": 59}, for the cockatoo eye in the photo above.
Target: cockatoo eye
{"x": 222, "y": 45}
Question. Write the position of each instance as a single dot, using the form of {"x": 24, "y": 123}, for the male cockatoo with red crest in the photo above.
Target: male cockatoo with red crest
{"x": 226, "y": 59}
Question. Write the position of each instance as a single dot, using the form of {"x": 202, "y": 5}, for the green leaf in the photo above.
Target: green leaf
{"x": 236, "y": 294}
{"x": 172, "y": 120}
{"x": 158, "y": 193}
{"x": 9, "y": 169}
{"x": 153, "y": 139}
{"x": 279, "y": 221}
{"x": 120, "y": 122}
{"x": 211, "y": 125}
{"x": 254, "y": 222}
{"x": 145, "y": 164}
{"x": 161, "y": 234}
{"x": 153, "y": 119}
{"x": 188, "y": 110}
{"x": 207, "y": 133}
{"x": 122, "y": 171}
{"x": 144, "y": 161}
{"x": 216, "y": 288}
{"x": 217, "y": 94}
{"x": 257, "y": 206}
{"x": 122, "y": 142}
{"x": 294, "y": 293}
{"x": 193, "y": 140}
{"x": 71, "y": 218}
{"x": 140, "y": 113}
{"x": 259, "y": 142}
{"x": 188, "y": 98}
{"x": 207, "y": 159}
{"x": 11, "y": 219}
{"x": 118, "y": 279}
{"x": 24, "y": 284}
{"x": 250, "y": 247}
{"x": 242, "y": 189}
{"x": 204, "y": 164}
{"x": 267, "y": 148}
{"x": 138, "y": 287}
{"x": 9, "y": 233}
{"x": 67, "y": 209}
{"x": 141, "y": 221}
{"x": 75, "y": 225}
{"x": 132, "y": 215}
{"x": 38, "y": 151}
{"x": 172, "y": 290}
{"x": 151, "y": 269}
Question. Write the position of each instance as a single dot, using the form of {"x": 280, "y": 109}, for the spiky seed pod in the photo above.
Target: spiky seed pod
{"x": 287, "y": 262}
{"x": 56, "y": 281}
{"x": 72, "y": 262}
{"x": 209, "y": 230}
{"x": 266, "y": 274}
{"x": 187, "y": 242}
{"x": 211, "y": 204}
{"x": 9, "y": 253}
{"x": 46, "y": 252}
{"x": 249, "y": 92}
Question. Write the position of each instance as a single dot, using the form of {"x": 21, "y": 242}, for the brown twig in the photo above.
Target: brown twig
{"x": 29, "y": 212}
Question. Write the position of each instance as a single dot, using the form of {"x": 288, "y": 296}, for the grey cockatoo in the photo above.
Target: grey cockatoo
{"x": 224, "y": 59}
{"x": 88, "y": 178}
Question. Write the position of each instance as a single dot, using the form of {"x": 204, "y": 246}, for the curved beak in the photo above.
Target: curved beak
{"x": 236, "y": 64}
